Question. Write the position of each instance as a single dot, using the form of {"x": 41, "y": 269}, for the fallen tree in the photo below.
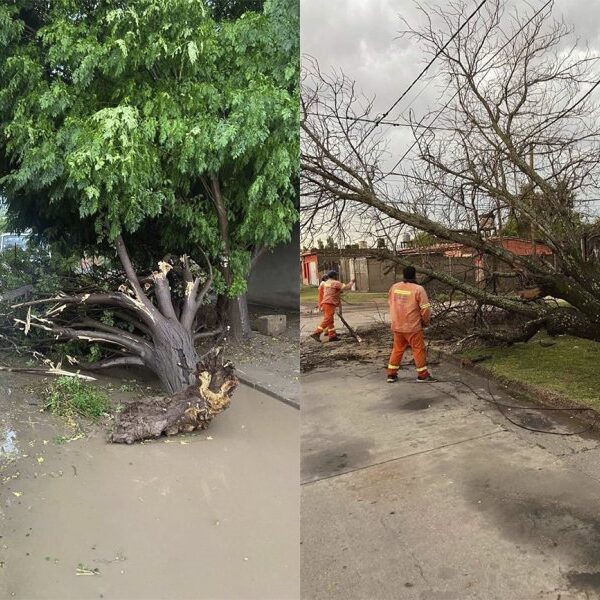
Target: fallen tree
{"x": 191, "y": 408}
{"x": 513, "y": 150}
{"x": 152, "y": 325}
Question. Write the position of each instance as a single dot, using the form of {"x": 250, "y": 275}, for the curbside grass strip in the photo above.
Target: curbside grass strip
{"x": 530, "y": 392}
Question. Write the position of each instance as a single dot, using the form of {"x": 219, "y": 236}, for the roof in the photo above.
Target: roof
{"x": 339, "y": 253}
{"x": 456, "y": 249}
{"x": 443, "y": 248}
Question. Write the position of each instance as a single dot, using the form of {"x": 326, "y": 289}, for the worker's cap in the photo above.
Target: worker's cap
{"x": 332, "y": 273}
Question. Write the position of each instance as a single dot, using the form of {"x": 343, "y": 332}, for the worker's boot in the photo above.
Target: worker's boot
{"x": 333, "y": 338}
{"x": 392, "y": 378}
{"x": 427, "y": 376}
{"x": 316, "y": 336}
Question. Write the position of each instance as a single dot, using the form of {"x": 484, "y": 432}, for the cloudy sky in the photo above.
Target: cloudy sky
{"x": 362, "y": 38}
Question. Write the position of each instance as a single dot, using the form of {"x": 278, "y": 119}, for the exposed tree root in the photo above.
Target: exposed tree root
{"x": 187, "y": 410}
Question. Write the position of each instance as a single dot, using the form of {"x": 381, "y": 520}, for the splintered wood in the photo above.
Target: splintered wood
{"x": 192, "y": 408}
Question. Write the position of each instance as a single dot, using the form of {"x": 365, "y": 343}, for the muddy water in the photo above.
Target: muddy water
{"x": 212, "y": 515}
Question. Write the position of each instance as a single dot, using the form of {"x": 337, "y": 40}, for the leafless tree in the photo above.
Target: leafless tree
{"x": 514, "y": 144}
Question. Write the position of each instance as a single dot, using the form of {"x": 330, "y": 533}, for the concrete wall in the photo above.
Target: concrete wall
{"x": 379, "y": 280}
{"x": 274, "y": 281}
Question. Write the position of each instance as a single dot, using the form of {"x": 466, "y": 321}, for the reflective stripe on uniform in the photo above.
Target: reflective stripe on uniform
{"x": 403, "y": 292}
{"x": 425, "y": 305}
{"x": 319, "y": 328}
{"x": 420, "y": 370}
{"x": 393, "y": 366}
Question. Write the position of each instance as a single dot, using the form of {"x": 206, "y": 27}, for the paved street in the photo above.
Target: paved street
{"x": 359, "y": 316}
{"x": 424, "y": 491}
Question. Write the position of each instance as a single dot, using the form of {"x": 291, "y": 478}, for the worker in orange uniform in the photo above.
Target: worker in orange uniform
{"x": 320, "y": 296}
{"x": 330, "y": 292}
{"x": 409, "y": 312}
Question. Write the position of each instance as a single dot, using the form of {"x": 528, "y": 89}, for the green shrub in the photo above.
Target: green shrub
{"x": 67, "y": 396}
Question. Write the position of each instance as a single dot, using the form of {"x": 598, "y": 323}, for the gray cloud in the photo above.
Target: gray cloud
{"x": 361, "y": 37}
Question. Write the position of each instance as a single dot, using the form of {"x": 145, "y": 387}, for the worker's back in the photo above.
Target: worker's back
{"x": 409, "y": 306}
{"x": 332, "y": 290}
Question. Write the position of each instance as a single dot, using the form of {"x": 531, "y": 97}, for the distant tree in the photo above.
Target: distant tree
{"x": 423, "y": 239}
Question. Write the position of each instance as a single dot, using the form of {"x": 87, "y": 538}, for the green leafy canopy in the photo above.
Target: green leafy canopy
{"x": 112, "y": 113}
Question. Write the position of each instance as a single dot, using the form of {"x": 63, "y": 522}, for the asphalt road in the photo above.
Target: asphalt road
{"x": 424, "y": 491}
{"x": 360, "y": 316}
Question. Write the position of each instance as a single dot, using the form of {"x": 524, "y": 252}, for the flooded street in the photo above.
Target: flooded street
{"x": 207, "y": 515}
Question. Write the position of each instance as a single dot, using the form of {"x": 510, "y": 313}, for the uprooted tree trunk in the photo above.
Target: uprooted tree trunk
{"x": 164, "y": 327}
{"x": 189, "y": 409}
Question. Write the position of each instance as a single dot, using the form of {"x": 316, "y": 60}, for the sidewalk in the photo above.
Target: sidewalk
{"x": 270, "y": 364}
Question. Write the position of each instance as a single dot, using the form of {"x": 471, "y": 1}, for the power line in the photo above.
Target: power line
{"x": 539, "y": 11}
{"x": 390, "y": 123}
{"x": 426, "y": 68}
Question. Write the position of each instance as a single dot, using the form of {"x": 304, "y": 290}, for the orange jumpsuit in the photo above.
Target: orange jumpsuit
{"x": 330, "y": 292}
{"x": 409, "y": 312}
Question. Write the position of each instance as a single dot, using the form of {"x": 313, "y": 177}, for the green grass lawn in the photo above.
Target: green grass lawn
{"x": 570, "y": 367}
{"x": 308, "y": 295}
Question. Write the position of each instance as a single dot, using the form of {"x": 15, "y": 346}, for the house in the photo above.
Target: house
{"x": 471, "y": 266}
{"x": 309, "y": 267}
{"x": 314, "y": 263}
{"x": 374, "y": 274}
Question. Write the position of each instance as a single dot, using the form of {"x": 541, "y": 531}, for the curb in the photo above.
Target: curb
{"x": 530, "y": 392}
{"x": 259, "y": 387}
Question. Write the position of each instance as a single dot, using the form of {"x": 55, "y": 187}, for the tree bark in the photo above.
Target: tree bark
{"x": 239, "y": 318}
{"x": 174, "y": 356}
